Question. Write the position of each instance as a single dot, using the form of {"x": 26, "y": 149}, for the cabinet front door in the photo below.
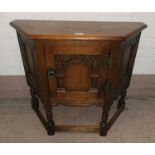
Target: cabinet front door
{"x": 76, "y": 72}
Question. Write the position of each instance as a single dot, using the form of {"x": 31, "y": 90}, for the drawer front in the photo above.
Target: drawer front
{"x": 76, "y": 72}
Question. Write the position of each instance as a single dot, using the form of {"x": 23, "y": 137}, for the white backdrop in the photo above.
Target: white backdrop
{"x": 10, "y": 60}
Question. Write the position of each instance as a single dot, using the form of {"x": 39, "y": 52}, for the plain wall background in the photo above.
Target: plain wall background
{"x": 10, "y": 59}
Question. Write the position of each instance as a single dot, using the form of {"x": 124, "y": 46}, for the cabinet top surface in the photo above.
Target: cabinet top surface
{"x": 86, "y": 30}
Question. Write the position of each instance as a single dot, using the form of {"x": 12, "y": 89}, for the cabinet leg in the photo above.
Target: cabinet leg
{"x": 34, "y": 100}
{"x": 103, "y": 124}
{"x": 121, "y": 102}
{"x": 50, "y": 122}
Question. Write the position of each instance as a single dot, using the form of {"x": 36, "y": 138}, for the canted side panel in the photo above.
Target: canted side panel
{"x": 28, "y": 57}
{"x": 129, "y": 51}
{"x": 125, "y": 62}
{"x": 78, "y": 75}
{"x": 127, "y": 59}
{"x": 113, "y": 73}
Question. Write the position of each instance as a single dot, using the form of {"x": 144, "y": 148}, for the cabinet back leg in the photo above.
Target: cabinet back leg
{"x": 121, "y": 101}
{"x": 34, "y": 100}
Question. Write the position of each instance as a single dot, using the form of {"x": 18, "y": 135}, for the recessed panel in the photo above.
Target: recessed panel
{"x": 77, "y": 78}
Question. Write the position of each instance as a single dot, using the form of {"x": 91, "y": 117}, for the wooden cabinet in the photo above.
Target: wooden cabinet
{"x": 78, "y": 64}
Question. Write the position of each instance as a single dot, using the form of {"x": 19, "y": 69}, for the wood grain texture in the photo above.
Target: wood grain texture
{"x": 79, "y": 80}
{"x": 79, "y": 71}
{"x": 36, "y": 29}
{"x": 77, "y": 128}
{"x": 93, "y": 70}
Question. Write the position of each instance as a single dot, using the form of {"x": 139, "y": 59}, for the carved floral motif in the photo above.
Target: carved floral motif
{"x": 92, "y": 61}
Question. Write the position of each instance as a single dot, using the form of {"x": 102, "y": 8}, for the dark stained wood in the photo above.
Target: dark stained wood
{"x": 36, "y": 29}
{"x": 78, "y": 64}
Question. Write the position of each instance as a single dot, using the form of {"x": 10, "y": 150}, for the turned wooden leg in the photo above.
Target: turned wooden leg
{"x": 121, "y": 102}
{"x": 50, "y": 122}
{"x": 103, "y": 124}
{"x": 34, "y": 100}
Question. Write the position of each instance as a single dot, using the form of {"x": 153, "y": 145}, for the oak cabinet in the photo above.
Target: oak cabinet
{"x": 78, "y": 64}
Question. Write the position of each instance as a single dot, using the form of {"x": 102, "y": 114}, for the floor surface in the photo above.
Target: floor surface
{"x": 19, "y": 123}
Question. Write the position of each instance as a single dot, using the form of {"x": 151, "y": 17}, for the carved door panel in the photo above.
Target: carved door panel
{"x": 75, "y": 78}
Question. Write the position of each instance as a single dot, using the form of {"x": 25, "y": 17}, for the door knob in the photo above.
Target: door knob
{"x": 51, "y": 72}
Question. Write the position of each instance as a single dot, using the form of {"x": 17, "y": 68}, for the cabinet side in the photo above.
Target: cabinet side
{"x": 27, "y": 49}
{"x": 127, "y": 58}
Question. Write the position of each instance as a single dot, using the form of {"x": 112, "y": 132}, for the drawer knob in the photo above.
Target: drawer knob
{"x": 51, "y": 72}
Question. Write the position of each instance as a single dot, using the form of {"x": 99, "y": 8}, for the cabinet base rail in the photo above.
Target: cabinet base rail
{"x": 80, "y": 128}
